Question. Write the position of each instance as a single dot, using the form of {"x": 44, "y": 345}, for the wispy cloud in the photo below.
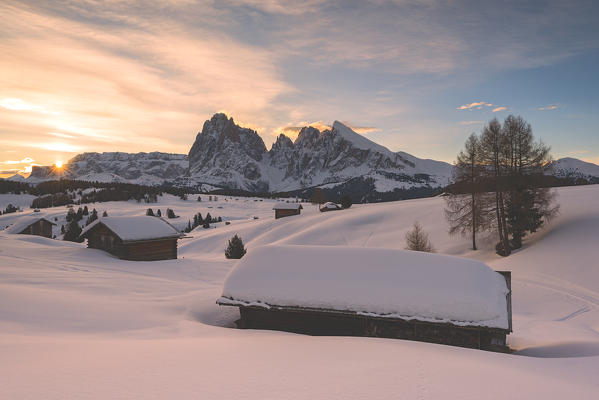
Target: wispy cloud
{"x": 549, "y": 108}
{"x": 16, "y": 104}
{"x": 497, "y": 109}
{"x": 23, "y": 161}
{"x": 476, "y": 105}
{"x": 574, "y": 152}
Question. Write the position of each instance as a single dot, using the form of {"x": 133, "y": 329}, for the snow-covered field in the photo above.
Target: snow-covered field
{"x": 79, "y": 323}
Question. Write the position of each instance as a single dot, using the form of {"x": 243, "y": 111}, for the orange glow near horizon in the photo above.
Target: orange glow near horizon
{"x": 58, "y": 164}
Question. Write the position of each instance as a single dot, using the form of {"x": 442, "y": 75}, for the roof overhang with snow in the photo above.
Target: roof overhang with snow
{"x": 374, "y": 282}
{"x": 24, "y": 222}
{"x": 287, "y": 206}
{"x": 135, "y": 229}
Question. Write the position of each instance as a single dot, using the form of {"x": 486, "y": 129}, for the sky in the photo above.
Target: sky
{"x": 415, "y": 76}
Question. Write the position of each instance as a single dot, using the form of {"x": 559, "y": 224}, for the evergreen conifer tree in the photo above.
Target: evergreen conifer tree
{"x": 72, "y": 232}
{"x": 235, "y": 249}
{"x": 150, "y": 212}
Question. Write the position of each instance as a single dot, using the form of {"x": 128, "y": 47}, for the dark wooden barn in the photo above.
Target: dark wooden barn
{"x": 362, "y": 303}
{"x": 287, "y": 209}
{"x": 142, "y": 238}
{"x": 32, "y": 226}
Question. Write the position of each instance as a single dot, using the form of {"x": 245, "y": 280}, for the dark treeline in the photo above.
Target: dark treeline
{"x": 63, "y": 192}
{"x": 500, "y": 184}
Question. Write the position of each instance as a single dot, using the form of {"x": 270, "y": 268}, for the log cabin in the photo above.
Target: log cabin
{"x": 386, "y": 293}
{"x": 287, "y": 209}
{"x": 32, "y": 225}
{"x": 142, "y": 238}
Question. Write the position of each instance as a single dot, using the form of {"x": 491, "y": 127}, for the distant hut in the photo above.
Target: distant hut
{"x": 133, "y": 238}
{"x": 32, "y": 225}
{"x": 350, "y": 291}
{"x": 287, "y": 209}
{"x": 330, "y": 206}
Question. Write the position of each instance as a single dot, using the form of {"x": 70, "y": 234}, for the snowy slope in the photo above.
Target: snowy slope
{"x": 79, "y": 323}
{"x": 572, "y": 167}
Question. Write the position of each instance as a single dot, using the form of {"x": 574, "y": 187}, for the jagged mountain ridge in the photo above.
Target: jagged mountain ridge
{"x": 230, "y": 156}
{"x": 225, "y": 155}
{"x": 140, "y": 168}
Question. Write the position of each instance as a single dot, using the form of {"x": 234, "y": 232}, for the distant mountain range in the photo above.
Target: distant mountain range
{"x": 227, "y": 156}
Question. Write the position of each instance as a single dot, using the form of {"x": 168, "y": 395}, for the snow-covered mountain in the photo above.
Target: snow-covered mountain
{"x": 141, "y": 168}
{"x": 227, "y": 155}
{"x": 574, "y": 168}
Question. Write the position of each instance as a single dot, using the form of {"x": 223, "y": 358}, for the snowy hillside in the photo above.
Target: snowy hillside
{"x": 79, "y": 323}
{"x": 573, "y": 168}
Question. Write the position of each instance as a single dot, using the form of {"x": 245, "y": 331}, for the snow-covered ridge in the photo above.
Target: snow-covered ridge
{"x": 140, "y": 168}
{"x": 227, "y": 155}
{"x": 573, "y": 168}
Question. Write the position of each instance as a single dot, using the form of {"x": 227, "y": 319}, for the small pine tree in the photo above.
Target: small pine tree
{"x": 206, "y": 224}
{"x": 346, "y": 201}
{"x": 235, "y": 249}
{"x": 150, "y": 212}
{"x": 170, "y": 213}
{"x": 72, "y": 232}
{"x": 208, "y": 218}
{"x": 85, "y": 210}
{"x": 62, "y": 229}
{"x": 199, "y": 198}
{"x": 105, "y": 214}
{"x": 188, "y": 228}
{"x": 417, "y": 240}
{"x": 158, "y": 213}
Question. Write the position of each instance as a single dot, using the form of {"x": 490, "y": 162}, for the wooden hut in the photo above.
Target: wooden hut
{"x": 287, "y": 209}
{"x": 347, "y": 291}
{"x": 141, "y": 238}
{"x": 32, "y": 225}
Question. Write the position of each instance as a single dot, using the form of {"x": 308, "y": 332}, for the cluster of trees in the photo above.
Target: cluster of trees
{"x": 150, "y": 213}
{"x": 53, "y": 200}
{"x": 10, "y": 209}
{"x": 73, "y": 229}
{"x": 204, "y": 222}
{"x": 499, "y": 185}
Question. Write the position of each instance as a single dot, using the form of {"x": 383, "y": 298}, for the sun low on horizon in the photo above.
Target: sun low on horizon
{"x": 417, "y": 78}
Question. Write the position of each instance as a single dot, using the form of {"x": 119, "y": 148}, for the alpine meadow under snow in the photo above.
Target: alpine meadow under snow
{"x": 80, "y": 323}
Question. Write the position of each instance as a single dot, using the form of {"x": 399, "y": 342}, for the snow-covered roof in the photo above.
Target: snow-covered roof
{"x": 330, "y": 204}
{"x": 23, "y": 222}
{"x": 370, "y": 281}
{"x": 136, "y": 228}
{"x": 287, "y": 206}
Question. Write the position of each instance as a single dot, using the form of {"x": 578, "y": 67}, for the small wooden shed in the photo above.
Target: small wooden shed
{"x": 141, "y": 238}
{"x": 387, "y": 293}
{"x": 287, "y": 209}
{"x": 32, "y": 225}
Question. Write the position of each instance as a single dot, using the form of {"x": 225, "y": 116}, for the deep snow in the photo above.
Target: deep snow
{"x": 387, "y": 283}
{"x": 79, "y": 323}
